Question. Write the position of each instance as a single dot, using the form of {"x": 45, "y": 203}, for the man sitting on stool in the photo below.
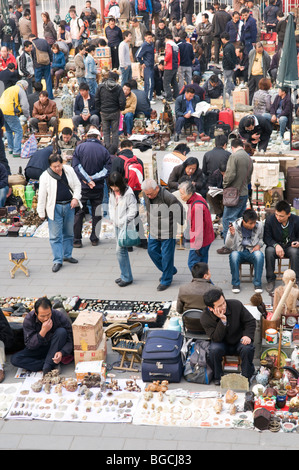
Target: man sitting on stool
{"x": 245, "y": 239}
{"x": 184, "y": 107}
{"x": 231, "y": 328}
{"x": 281, "y": 237}
{"x": 44, "y": 110}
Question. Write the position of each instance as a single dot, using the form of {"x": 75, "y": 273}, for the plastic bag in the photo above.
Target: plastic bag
{"x": 30, "y": 147}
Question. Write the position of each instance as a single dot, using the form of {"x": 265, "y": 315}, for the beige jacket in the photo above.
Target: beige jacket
{"x": 25, "y": 28}
{"x": 131, "y": 103}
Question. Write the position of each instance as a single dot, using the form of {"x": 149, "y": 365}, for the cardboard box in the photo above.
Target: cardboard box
{"x": 88, "y": 330}
{"x": 103, "y": 52}
{"x": 103, "y": 62}
{"x": 240, "y": 96}
{"x": 99, "y": 354}
{"x": 92, "y": 367}
{"x": 238, "y": 115}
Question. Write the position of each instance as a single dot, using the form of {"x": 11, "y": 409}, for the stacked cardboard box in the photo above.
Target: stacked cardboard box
{"x": 89, "y": 337}
{"x": 103, "y": 58}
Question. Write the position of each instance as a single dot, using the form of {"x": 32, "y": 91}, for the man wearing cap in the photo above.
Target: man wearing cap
{"x": 13, "y": 103}
{"x": 91, "y": 162}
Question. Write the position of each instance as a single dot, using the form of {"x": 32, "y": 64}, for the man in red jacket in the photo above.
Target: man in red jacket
{"x": 6, "y": 58}
{"x": 199, "y": 232}
{"x": 171, "y": 65}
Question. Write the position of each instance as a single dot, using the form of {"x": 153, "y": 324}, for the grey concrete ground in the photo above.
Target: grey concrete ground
{"x": 94, "y": 277}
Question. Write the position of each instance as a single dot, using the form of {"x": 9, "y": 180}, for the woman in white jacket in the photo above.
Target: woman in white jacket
{"x": 122, "y": 210}
{"x": 58, "y": 195}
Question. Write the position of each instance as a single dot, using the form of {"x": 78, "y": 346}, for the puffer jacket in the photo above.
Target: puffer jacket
{"x": 109, "y": 97}
{"x": 261, "y": 102}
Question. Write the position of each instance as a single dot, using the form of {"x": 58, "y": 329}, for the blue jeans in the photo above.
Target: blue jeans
{"x": 123, "y": 259}
{"x": 14, "y": 133}
{"x": 149, "y": 82}
{"x": 3, "y": 194}
{"x": 256, "y": 258}
{"x": 230, "y": 214}
{"x": 201, "y": 257}
{"x": 129, "y": 120}
{"x": 283, "y": 121}
{"x": 44, "y": 72}
{"x": 61, "y": 232}
{"x": 161, "y": 253}
{"x": 39, "y": 359}
{"x": 126, "y": 74}
{"x": 93, "y": 86}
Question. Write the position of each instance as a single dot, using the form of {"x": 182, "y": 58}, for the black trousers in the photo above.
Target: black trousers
{"x": 253, "y": 84}
{"x": 270, "y": 257}
{"x": 218, "y": 350}
{"x": 95, "y": 196}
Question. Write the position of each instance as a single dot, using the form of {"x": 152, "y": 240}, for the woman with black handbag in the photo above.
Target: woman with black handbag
{"x": 123, "y": 210}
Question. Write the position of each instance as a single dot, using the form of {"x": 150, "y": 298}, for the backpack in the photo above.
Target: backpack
{"x": 133, "y": 172}
{"x": 114, "y": 11}
{"x": 42, "y": 57}
{"x": 141, "y": 5}
{"x": 86, "y": 32}
{"x": 197, "y": 368}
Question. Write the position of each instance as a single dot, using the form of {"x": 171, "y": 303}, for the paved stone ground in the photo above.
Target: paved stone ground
{"x": 94, "y": 277}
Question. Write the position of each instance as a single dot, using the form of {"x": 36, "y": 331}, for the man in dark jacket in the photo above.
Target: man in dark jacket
{"x": 109, "y": 101}
{"x": 229, "y": 62}
{"x": 146, "y": 57}
{"x": 241, "y": 70}
{"x": 231, "y": 329}
{"x": 4, "y": 188}
{"x": 84, "y": 108}
{"x": 220, "y": 20}
{"x": 281, "y": 110}
{"x": 92, "y": 163}
{"x": 9, "y": 76}
{"x": 213, "y": 88}
{"x": 199, "y": 91}
{"x": 48, "y": 338}
{"x": 6, "y": 341}
{"x": 186, "y": 60}
{"x": 184, "y": 107}
{"x": 42, "y": 67}
{"x": 281, "y": 237}
{"x": 256, "y": 130}
{"x": 249, "y": 34}
{"x": 205, "y": 35}
{"x": 212, "y": 158}
{"x": 38, "y": 163}
{"x": 188, "y": 11}
{"x": 160, "y": 35}
{"x": 234, "y": 28}
{"x": 114, "y": 37}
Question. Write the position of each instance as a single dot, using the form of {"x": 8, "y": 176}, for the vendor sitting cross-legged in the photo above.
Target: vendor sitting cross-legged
{"x": 48, "y": 339}
{"x": 185, "y": 105}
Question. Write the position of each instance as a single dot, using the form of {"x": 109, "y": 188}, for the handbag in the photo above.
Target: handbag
{"x": 231, "y": 195}
{"x": 128, "y": 237}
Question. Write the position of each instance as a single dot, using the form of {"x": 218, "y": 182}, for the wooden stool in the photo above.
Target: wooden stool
{"x": 279, "y": 272}
{"x": 18, "y": 260}
{"x": 250, "y": 275}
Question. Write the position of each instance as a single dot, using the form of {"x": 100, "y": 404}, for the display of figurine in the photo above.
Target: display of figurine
{"x": 291, "y": 300}
{"x": 67, "y": 103}
{"x": 263, "y": 376}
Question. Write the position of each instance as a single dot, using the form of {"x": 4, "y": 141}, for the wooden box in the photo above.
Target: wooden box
{"x": 99, "y": 354}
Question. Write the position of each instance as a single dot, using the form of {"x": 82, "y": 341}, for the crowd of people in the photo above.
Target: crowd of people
{"x": 173, "y": 58}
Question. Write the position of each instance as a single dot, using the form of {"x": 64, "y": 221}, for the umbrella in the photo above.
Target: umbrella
{"x": 287, "y": 74}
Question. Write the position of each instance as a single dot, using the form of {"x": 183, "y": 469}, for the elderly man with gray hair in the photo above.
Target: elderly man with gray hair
{"x": 199, "y": 233}
{"x": 164, "y": 212}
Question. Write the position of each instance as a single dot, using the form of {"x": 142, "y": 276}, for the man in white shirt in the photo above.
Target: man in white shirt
{"x": 76, "y": 28}
{"x": 124, "y": 58}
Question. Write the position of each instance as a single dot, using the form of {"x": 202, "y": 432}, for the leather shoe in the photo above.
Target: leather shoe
{"x": 124, "y": 284}
{"x": 118, "y": 280}
{"x": 2, "y": 375}
{"x": 224, "y": 251}
{"x": 70, "y": 260}
{"x": 56, "y": 267}
{"x": 162, "y": 287}
{"x": 77, "y": 244}
{"x": 95, "y": 242}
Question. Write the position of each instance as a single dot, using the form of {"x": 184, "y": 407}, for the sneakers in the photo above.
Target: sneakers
{"x": 176, "y": 138}
{"x": 224, "y": 251}
{"x": 236, "y": 289}
{"x": 258, "y": 289}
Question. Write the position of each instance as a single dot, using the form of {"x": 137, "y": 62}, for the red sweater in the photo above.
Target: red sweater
{"x": 200, "y": 222}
